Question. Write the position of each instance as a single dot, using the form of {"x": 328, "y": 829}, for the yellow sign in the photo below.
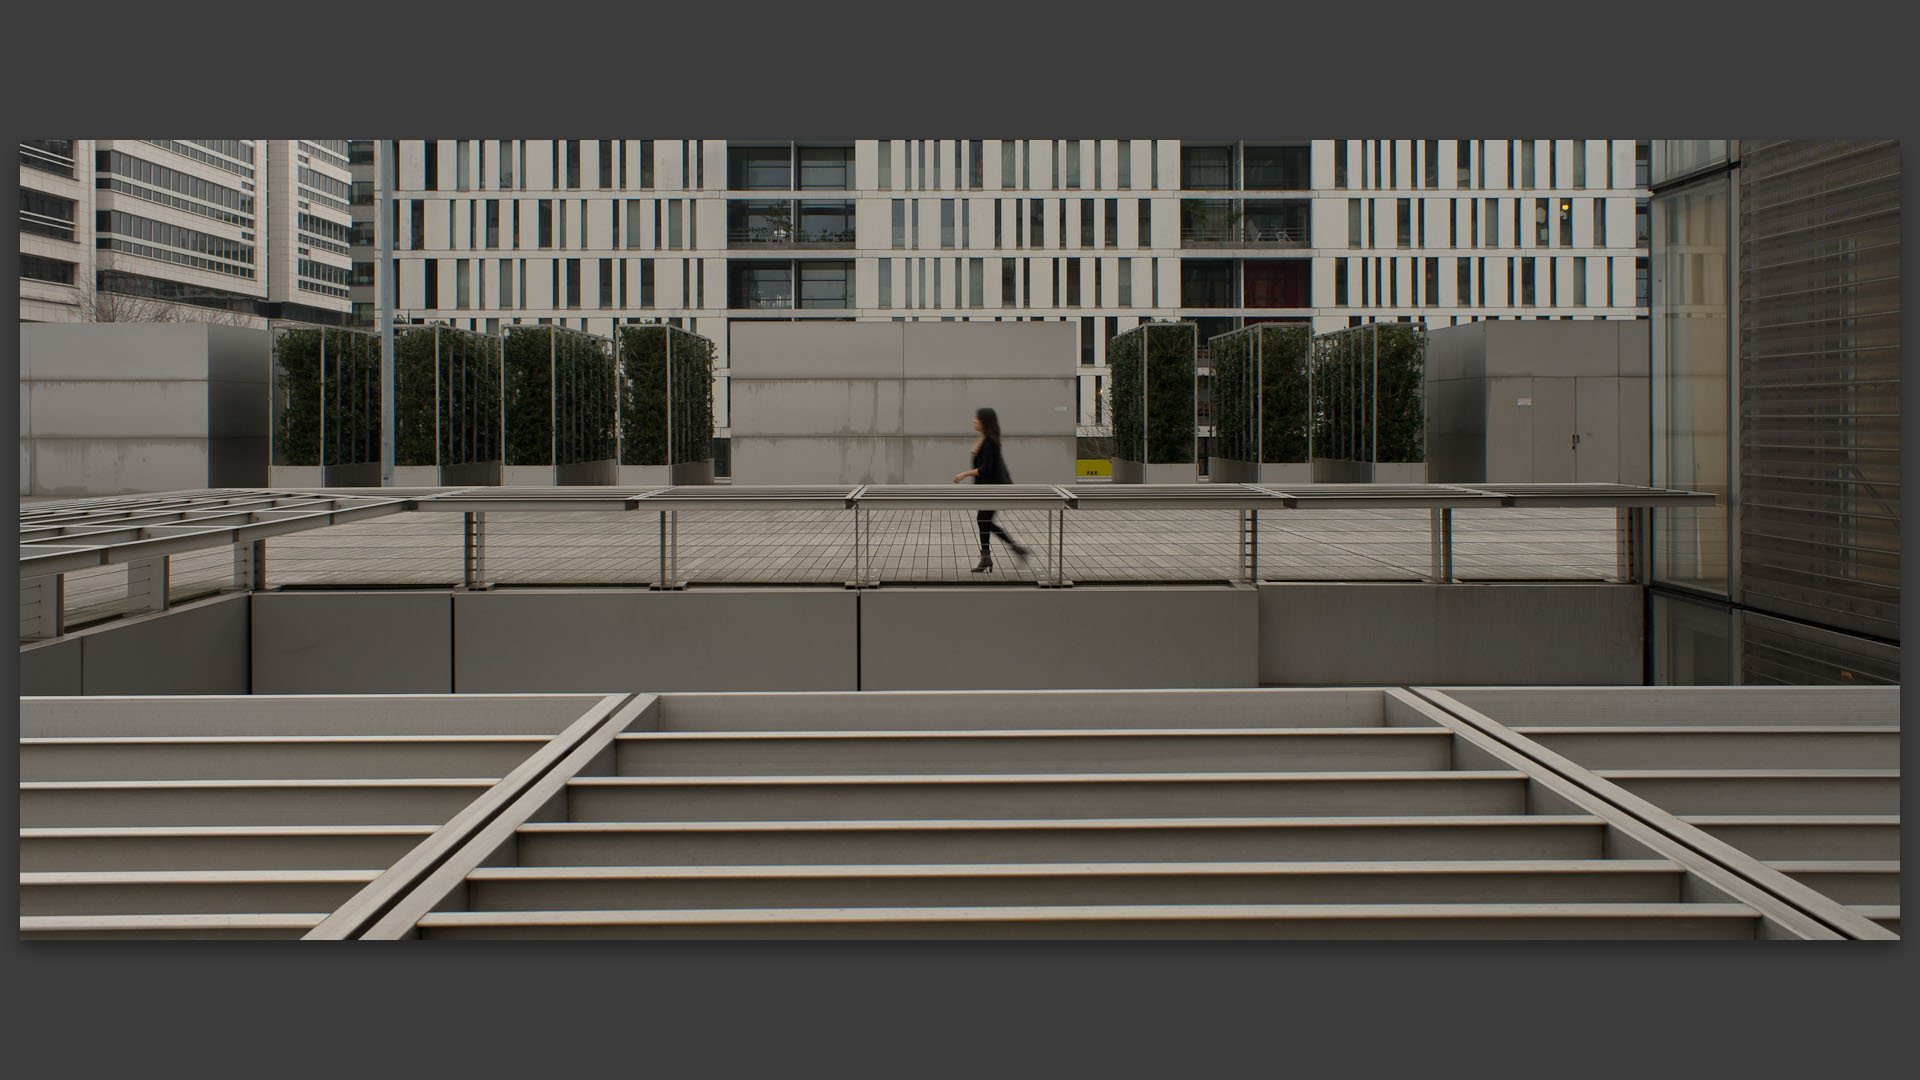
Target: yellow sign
{"x": 1094, "y": 467}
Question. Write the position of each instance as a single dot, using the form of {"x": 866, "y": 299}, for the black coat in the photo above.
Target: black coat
{"x": 993, "y": 467}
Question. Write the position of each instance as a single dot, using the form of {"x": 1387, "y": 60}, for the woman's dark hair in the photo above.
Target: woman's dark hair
{"x": 989, "y": 423}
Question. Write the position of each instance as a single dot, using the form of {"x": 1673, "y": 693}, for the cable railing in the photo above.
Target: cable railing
{"x": 92, "y": 560}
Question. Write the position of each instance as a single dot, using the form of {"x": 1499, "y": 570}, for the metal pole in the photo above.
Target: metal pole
{"x": 553, "y": 407}
{"x": 323, "y": 408}
{"x": 384, "y": 152}
{"x": 667, "y": 362}
{"x": 436, "y": 400}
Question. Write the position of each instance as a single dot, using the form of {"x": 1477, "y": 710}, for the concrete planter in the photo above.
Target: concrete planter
{"x": 471, "y": 474}
{"x": 1287, "y": 472}
{"x": 1173, "y": 474}
{"x": 1341, "y": 471}
{"x": 588, "y": 473}
{"x": 644, "y": 476}
{"x": 1128, "y": 472}
{"x": 526, "y": 476}
{"x": 1412, "y": 472}
{"x": 297, "y": 476}
{"x": 1231, "y": 471}
{"x": 693, "y": 472}
{"x": 412, "y": 476}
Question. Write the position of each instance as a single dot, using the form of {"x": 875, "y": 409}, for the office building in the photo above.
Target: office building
{"x": 1099, "y": 233}
{"x": 143, "y": 230}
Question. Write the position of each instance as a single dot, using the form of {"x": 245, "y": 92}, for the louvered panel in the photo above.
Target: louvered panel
{"x": 1819, "y": 403}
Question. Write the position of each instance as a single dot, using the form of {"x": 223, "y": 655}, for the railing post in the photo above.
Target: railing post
{"x": 43, "y": 607}
{"x": 1441, "y": 534}
{"x": 147, "y": 584}
{"x": 475, "y": 559}
{"x": 1630, "y": 544}
{"x": 1253, "y": 546}
{"x": 1060, "y": 561}
{"x": 250, "y": 565}
{"x": 663, "y": 550}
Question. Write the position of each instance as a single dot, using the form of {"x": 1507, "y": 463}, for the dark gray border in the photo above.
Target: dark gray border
{"x": 743, "y": 70}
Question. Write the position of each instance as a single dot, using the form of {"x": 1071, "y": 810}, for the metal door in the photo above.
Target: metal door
{"x": 1597, "y": 422}
{"x": 1554, "y": 433}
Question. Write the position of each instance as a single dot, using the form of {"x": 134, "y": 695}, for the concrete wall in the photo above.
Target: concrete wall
{"x": 114, "y": 408}
{"x": 1019, "y": 639}
{"x": 375, "y": 642}
{"x": 893, "y": 403}
{"x": 197, "y": 648}
{"x": 1503, "y": 399}
{"x": 1458, "y": 634}
{"x": 603, "y": 640}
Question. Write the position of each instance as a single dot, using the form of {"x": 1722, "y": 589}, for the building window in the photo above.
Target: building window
{"x": 42, "y": 214}
{"x": 1642, "y": 229}
{"x": 884, "y": 160}
{"x": 1123, "y": 282}
{"x": 646, "y": 163}
{"x": 946, "y": 223}
{"x": 1462, "y": 164}
{"x": 1541, "y": 223}
{"x": 431, "y": 159}
{"x": 1008, "y": 165}
{"x": 899, "y": 223}
{"x": 573, "y": 163}
{"x": 1355, "y": 223}
{"x": 1579, "y": 163}
{"x": 1566, "y": 222}
{"x": 1579, "y": 283}
{"x": 1340, "y": 282}
{"x": 1112, "y": 239}
{"x": 430, "y": 294}
{"x": 1493, "y": 223}
{"x": 675, "y": 227}
{"x": 885, "y": 276}
{"x": 1072, "y": 298}
{"x": 1340, "y": 163}
{"x": 38, "y": 268}
{"x": 606, "y": 283}
{"x": 1007, "y": 287}
{"x": 1405, "y": 223}
{"x": 606, "y": 163}
{"x": 1206, "y": 167}
{"x": 646, "y": 283}
{"x": 1432, "y": 288}
{"x": 826, "y": 168}
{"x": 1430, "y": 151}
{"x": 1036, "y": 226}
{"x": 1123, "y": 173}
{"x": 976, "y": 282}
{"x": 1086, "y": 223}
{"x": 546, "y": 224}
{"x": 1146, "y": 223}
{"x": 1599, "y": 223}
{"x": 826, "y": 284}
{"x": 1526, "y": 282}
{"x": 976, "y": 164}
{"x": 1463, "y": 283}
{"x": 1527, "y": 174}
{"x": 493, "y": 223}
{"x": 573, "y": 283}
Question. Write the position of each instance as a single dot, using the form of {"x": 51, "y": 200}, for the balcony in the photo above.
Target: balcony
{"x": 1225, "y": 223}
{"x": 773, "y": 237}
{"x": 789, "y": 225}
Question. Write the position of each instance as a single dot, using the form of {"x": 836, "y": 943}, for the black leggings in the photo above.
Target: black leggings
{"x": 987, "y": 526}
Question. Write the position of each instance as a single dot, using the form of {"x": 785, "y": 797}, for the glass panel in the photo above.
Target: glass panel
{"x": 1690, "y": 391}
{"x": 1692, "y": 643}
{"x": 1674, "y": 158}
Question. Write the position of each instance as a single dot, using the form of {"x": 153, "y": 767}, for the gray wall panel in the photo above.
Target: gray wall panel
{"x": 1017, "y": 639}
{"x": 1458, "y": 634}
{"x": 784, "y": 350}
{"x": 51, "y": 668}
{"x": 1024, "y": 406}
{"x": 987, "y": 350}
{"x": 843, "y": 407}
{"x": 607, "y": 641}
{"x": 198, "y": 648}
{"x": 824, "y": 460}
{"x": 392, "y": 642}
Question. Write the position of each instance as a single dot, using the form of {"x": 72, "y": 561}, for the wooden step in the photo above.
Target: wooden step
{"x": 77, "y": 804}
{"x": 729, "y": 798}
{"x": 1805, "y": 836}
{"x": 275, "y": 757}
{"x": 1071, "y": 884}
{"x": 188, "y": 892}
{"x": 1770, "y": 791}
{"x": 740, "y": 843}
{"x": 1722, "y": 747}
{"x": 288, "y": 847}
{"x": 1275, "y": 921}
{"x": 1039, "y": 751}
{"x": 279, "y": 926}
{"x": 1853, "y": 882}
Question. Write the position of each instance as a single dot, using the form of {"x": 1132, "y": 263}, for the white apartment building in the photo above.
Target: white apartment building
{"x": 235, "y": 229}
{"x": 1101, "y": 233}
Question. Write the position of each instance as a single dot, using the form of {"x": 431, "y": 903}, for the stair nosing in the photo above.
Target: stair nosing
{"x": 1145, "y": 869}
{"x": 1133, "y": 912}
{"x": 875, "y": 779}
{"x": 1011, "y": 824}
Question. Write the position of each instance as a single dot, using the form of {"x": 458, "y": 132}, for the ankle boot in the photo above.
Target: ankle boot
{"x": 986, "y": 563}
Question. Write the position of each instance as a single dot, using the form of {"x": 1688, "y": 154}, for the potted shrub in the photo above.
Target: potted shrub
{"x": 1285, "y": 411}
{"x": 527, "y": 403}
{"x": 295, "y": 460}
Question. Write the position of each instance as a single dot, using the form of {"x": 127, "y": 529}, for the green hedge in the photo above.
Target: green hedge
{"x": 584, "y": 392}
{"x": 414, "y": 366}
{"x": 1164, "y": 429}
{"x": 1284, "y": 407}
{"x": 1234, "y": 390}
{"x": 644, "y": 358}
{"x": 528, "y": 397}
{"x": 328, "y": 387}
{"x": 1366, "y": 375}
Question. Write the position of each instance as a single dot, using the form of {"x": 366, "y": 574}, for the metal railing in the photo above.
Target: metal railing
{"x": 790, "y": 238}
{"x": 1245, "y": 234}
{"x": 858, "y": 536}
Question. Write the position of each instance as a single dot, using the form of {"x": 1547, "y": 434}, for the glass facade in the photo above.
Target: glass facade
{"x": 1677, "y": 158}
{"x": 1691, "y": 361}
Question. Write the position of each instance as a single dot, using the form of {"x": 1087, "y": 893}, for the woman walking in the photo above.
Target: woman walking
{"x": 989, "y": 467}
